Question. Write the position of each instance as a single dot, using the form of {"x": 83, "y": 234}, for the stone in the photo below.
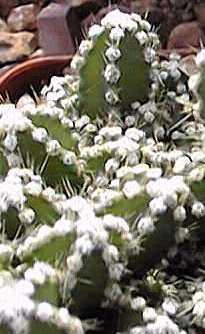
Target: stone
{"x": 179, "y": 3}
{"x": 183, "y": 52}
{"x": 166, "y": 26}
{"x": 188, "y": 65}
{"x": 16, "y": 46}
{"x": 59, "y": 29}
{"x": 3, "y": 25}
{"x": 6, "y": 6}
{"x": 22, "y": 18}
{"x": 84, "y": 8}
{"x": 199, "y": 10}
{"x": 145, "y": 4}
{"x": 186, "y": 35}
{"x": 36, "y": 54}
{"x": 164, "y": 4}
{"x": 187, "y": 15}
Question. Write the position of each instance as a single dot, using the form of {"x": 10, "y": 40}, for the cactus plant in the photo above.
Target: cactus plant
{"x": 102, "y": 193}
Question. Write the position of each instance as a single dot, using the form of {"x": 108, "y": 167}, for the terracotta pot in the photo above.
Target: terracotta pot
{"x": 31, "y": 75}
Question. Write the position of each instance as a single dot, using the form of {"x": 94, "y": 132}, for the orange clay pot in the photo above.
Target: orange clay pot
{"x": 30, "y": 75}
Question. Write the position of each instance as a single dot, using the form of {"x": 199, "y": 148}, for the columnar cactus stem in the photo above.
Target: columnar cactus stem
{"x": 112, "y": 67}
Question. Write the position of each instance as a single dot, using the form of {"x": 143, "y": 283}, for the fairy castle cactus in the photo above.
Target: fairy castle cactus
{"x": 102, "y": 193}
{"x": 111, "y": 71}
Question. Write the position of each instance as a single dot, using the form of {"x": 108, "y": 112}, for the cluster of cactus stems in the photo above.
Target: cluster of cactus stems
{"x": 102, "y": 199}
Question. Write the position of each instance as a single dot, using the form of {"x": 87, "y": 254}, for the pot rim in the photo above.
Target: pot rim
{"x": 55, "y": 63}
{"x": 33, "y": 63}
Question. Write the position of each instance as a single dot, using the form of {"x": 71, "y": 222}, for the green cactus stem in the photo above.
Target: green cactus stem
{"x": 125, "y": 207}
{"x": 3, "y": 164}
{"x": 4, "y": 330}
{"x": 48, "y": 292}
{"x": 52, "y": 169}
{"x": 133, "y": 84}
{"x": 11, "y": 229}
{"x": 47, "y": 249}
{"x": 156, "y": 242}
{"x": 91, "y": 89}
{"x": 44, "y": 211}
{"x": 56, "y": 130}
{"x": 43, "y": 327}
{"x": 88, "y": 293}
{"x": 201, "y": 86}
